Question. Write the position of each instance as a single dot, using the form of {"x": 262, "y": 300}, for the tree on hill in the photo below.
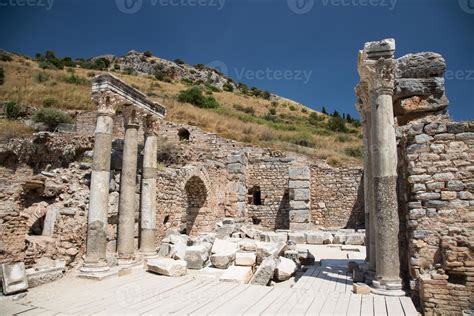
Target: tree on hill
{"x": 324, "y": 111}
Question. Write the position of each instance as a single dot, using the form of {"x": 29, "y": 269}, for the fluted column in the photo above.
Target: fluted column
{"x": 126, "y": 225}
{"x": 148, "y": 193}
{"x": 95, "y": 260}
{"x": 377, "y": 67}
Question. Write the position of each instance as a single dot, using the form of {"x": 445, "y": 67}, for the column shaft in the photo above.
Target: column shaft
{"x": 384, "y": 155}
{"x": 126, "y": 228}
{"x": 99, "y": 196}
{"x": 148, "y": 197}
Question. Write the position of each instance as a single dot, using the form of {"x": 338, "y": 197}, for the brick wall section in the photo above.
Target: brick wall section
{"x": 440, "y": 170}
{"x": 336, "y": 197}
{"x": 271, "y": 175}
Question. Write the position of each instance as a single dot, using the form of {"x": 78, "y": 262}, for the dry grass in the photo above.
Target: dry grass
{"x": 22, "y": 86}
{"x": 11, "y": 129}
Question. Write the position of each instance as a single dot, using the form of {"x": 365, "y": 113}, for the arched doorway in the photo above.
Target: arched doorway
{"x": 196, "y": 199}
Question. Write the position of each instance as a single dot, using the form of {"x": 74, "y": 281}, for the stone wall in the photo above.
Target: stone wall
{"x": 270, "y": 177}
{"x": 336, "y": 197}
{"x": 439, "y": 160}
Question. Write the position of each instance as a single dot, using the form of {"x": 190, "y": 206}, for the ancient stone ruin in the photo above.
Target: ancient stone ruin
{"x": 185, "y": 203}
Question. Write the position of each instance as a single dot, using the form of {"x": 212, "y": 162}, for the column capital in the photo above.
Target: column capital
{"x": 379, "y": 74}
{"x": 106, "y": 102}
{"x": 151, "y": 125}
{"x": 130, "y": 117}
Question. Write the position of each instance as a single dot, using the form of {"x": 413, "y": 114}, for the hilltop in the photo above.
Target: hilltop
{"x": 193, "y": 94}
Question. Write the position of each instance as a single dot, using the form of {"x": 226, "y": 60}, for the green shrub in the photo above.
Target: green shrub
{"x": 129, "y": 71}
{"x": 187, "y": 81}
{"x": 275, "y": 104}
{"x": 246, "y": 109}
{"x": 303, "y": 139}
{"x": 343, "y": 138}
{"x": 12, "y": 110}
{"x": 179, "y": 61}
{"x": 292, "y": 108}
{"x": 47, "y": 65}
{"x": 272, "y": 111}
{"x": 116, "y": 66}
{"x": 355, "y": 152}
{"x": 304, "y": 110}
{"x": 52, "y": 117}
{"x": 2, "y": 76}
{"x": 337, "y": 124}
{"x": 266, "y": 95}
{"x": 41, "y": 77}
{"x": 195, "y": 97}
{"x": 50, "y": 102}
{"x": 228, "y": 87}
{"x": 315, "y": 119}
{"x": 147, "y": 53}
{"x": 5, "y": 57}
{"x": 73, "y": 79}
{"x": 212, "y": 88}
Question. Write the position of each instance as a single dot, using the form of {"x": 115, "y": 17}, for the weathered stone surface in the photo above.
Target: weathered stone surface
{"x": 299, "y": 216}
{"x": 14, "y": 277}
{"x": 235, "y": 274}
{"x": 299, "y": 205}
{"x": 418, "y": 104}
{"x": 247, "y": 245}
{"x": 222, "y": 260}
{"x": 339, "y": 238}
{"x": 299, "y": 173}
{"x": 298, "y": 238}
{"x": 269, "y": 249}
{"x": 223, "y": 246}
{"x": 196, "y": 257}
{"x": 285, "y": 269}
{"x": 167, "y": 266}
{"x": 45, "y": 273}
{"x": 420, "y": 65}
{"x": 405, "y": 88}
{"x": 355, "y": 239}
{"x": 361, "y": 288}
{"x": 264, "y": 272}
{"x": 245, "y": 259}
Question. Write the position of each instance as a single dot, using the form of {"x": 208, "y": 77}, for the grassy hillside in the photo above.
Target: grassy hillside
{"x": 249, "y": 119}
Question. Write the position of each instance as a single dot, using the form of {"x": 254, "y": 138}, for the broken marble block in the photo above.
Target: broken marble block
{"x": 223, "y": 246}
{"x": 339, "y": 238}
{"x": 178, "y": 251}
{"x": 361, "y": 288}
{"x": 298, "y": 238}
{"x": 269, "y": 249}
{"x": 45, "y": 271}
{"x": 355, "y": 239}
{"x": 285, "y": 269}
{"x": 196, "y": 256}
{"x": 319, "y": 238}
{"x": 14, "y": 277}
{"x": 222, "y": 260}
{"x": 245, "y": 259}
{"x": 247, "y": 245}
{"x": 236, "y": 274}
{"x": 265, "y": 272}
{"x": 167, "y": 266}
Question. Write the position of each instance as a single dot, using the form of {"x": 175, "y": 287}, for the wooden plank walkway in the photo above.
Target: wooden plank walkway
{"x": 320, "y": 291}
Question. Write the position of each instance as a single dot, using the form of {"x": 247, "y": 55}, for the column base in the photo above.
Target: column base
{"x": 96, "y": 271}
{"x": 95, "y": 267}
{"x": 149, "y": 254}
{"x": 387, "y": 289}
{"x": 129, "y": 262}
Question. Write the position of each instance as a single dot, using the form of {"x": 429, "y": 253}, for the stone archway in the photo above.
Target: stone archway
{"x": 196, "y": 202}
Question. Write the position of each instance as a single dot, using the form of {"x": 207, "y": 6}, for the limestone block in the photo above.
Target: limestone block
{"x": 43, "y": 273}
{"x": 245, "y": 259}
{"x": 247, "y": 245}
{"x": 299, "y": 226}
{"x": 339, "y": 238}
{"x": 236, "y": 274}
{"x": 355, "y": 239}
{"x": 361, "y": 288}
{"x": 300, "y": 194}
{"x": 299, "y": 173}
{"x": 236, "y": 168}
{"x": 418, "y": 104}
{"x": 299, "y": 216}
{"x": 455, "y": 185}
{"x": 269, "y": 237}
{"x": 249, "y": 231}
{"x": 299, "y": 205}
{"x": 167, "y": 266}
{"x": 265, "y": 272}
{"x": 165, "y": 250}
{"x": 269, "y": 249}
{"x": 319, "y": 238}
{"x": 448, "y": 195}
{"x": 418, "y": 87}
{"x": 285, "y": 269}
{"x": 225, "y": 230}
{"x": 298, "y": 237}
{"x": 222, "y": 260}
{"x": 14, "y": 277}
{"x": 179, "y": 252}
{"x": 282, "y": 236}
{"x": 385, "y": 47}
{"x": 298, "y": 184}
{"x": 196, "y": 256}
{"x": 420, "y": 65}
{"x": 223, "y": 246}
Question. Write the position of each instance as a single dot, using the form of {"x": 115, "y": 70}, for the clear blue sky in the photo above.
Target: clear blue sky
{"x": 257, "y": 38}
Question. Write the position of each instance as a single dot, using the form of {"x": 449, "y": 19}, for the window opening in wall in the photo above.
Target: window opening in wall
{"x": 255, "y": 196}
{"x": 183, "y": 135}
{"x": 37, "y": 228}
{"x": 456, "y": 278}
{"x": 256, "y": 221}
{"x": 166, "y": 220}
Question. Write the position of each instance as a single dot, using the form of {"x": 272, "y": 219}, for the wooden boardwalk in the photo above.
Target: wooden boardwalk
{"x": 320, "y": 291}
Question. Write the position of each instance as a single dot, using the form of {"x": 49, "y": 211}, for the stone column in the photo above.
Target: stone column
{"x": 128, "y": 179}
{"x": 95, "y": 260}
{"x": 377, "y": 68}
{"x": 370, "y": 221}
{"x": 300, "y": 197}
{"x": 148, "y": 194}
